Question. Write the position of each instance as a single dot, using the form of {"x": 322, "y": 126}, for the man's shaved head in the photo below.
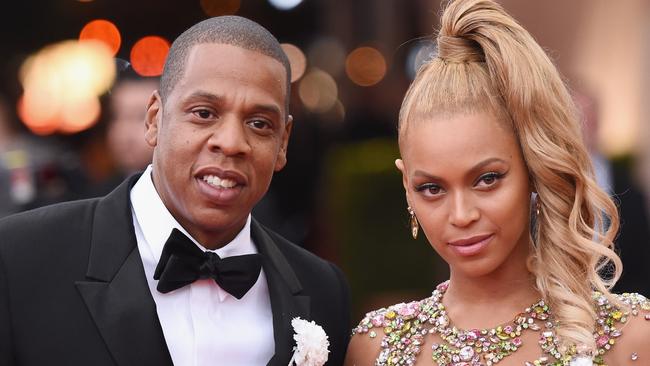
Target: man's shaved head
{"x": 232, "y": 30}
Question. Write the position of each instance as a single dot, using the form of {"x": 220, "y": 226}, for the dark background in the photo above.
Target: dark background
{"x": 340, "y": 195}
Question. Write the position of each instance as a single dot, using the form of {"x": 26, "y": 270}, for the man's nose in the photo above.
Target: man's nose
{"x": 230, "y": 137}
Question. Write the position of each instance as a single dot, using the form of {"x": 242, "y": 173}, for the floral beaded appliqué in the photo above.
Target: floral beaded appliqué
{"x": 406, "y": 325}
{"x": 611, "y": 319}
{"x": 402, "y": 325}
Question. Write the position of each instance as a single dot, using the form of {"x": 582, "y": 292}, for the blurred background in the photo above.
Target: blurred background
{"x": 75, "y": 77}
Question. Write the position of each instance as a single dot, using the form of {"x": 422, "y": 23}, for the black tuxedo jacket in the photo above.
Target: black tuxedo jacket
{"x": 73, "y": 289}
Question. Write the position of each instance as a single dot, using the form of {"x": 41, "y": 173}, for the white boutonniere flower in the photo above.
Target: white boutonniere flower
{"x": 581, "y": 361}
{"x": 312, "y": 346}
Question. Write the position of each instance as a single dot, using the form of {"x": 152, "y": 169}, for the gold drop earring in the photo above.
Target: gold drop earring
{"x": 414, "y": 223}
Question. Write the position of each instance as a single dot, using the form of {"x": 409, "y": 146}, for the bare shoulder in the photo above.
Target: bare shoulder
{"x": 624, "y": 331}
{"x": 363, "y": 349}
{"x": 365, "y": 344}
{"x": 386, "y": 336}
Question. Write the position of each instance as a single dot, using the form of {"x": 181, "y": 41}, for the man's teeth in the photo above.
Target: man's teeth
{"x": 213, "y": 180}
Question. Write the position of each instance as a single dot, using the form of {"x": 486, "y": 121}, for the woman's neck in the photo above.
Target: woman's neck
{"x": 501, "y": 294}
{"x": 486, "y": 290}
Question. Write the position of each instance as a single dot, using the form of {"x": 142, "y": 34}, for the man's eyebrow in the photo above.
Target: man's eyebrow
{"x": 215, "y": 98}
{"x": 268, "y": 108}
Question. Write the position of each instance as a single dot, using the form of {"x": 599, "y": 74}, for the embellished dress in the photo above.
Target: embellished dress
{"x": 406, "y": 326}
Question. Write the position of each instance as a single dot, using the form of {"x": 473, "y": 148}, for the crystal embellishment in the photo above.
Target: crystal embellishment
{"x": 406, "y": 326}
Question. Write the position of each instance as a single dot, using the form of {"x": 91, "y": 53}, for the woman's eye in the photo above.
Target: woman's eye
{"x": 489, "y": 179}
{"x": 429, "y": 189}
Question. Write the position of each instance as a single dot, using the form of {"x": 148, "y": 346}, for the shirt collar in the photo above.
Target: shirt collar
{"x": 157, "y": 222}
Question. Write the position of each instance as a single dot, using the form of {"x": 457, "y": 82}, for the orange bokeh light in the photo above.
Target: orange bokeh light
{"x": 104, "y": 31}
{"x": 40, "y": 124}
{"x": 365, "y": 66}
{"x": 79, "y": 115}
{"x": 62, "y": 84}
{"x": 318, "y": 91}
{"x": 297, "y": 60}
{"x": 148, "y": 55}
{"x": 215, "y": 8}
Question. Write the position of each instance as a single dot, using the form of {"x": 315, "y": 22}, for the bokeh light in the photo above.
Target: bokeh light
{"x": 148, "y": 55}
{"x": 420, "y": 53}
{"x": 335, "y": 115}
{"x": 365, "y": 66}
{"x": 38, "y": 115}
{"x": 62, "y": 83}
{"x": 285, "y": 4}
{"x": 78, "y": 115}
{"x": 327, "y": 54}
{"x": 297, "y": 61}
{"x": 80, "y": 68}
{"x": 318, "y": 91}
{"x": 104, "y": 31}
{"x": 215, "y": 8}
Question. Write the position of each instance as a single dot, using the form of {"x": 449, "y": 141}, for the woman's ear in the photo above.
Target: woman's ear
{"x": 399, "y": 163}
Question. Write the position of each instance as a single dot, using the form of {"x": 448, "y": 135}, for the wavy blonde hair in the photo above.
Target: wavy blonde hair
{"x": 488, "y": 62}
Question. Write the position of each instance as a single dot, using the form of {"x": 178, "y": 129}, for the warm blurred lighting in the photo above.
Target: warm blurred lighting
{"x": 81, "y": 68}
{"x": 318, "y": 91}
{"x": 79, "y": 115}
{"x": 297, "y": 60}
{"x": 148, "y": 55}
{"x": 104, "y": 31}
{"x": 365, "y": 66}
{"x": 285, "y": 4}
{"x": 327, "y": 54}
{"x": 39, "y": 121}
{"x": 62, "y": 83}
{"x": 419, "y": 54}
{"x": 620, "y": 137}
{"x": 216, "y": 8}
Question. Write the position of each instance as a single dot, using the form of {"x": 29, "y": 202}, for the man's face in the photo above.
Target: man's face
{"x": 218, "y": 138}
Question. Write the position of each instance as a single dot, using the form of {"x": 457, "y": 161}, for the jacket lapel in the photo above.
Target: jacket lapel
{"x": 117, "y": 294}
{"x": 284, "y": 291}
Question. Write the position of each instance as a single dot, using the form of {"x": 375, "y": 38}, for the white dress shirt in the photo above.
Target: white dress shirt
{"x": 202, "y": 324}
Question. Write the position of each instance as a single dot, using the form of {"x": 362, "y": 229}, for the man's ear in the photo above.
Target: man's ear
{"x": 281, "y": 161}
{"x": 153, "y": 119}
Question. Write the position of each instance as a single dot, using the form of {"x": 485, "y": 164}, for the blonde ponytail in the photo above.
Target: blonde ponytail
{"x": 487, "y": 62}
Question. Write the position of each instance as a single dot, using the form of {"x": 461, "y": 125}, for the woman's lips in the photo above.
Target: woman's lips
{"x": 470, "y": 246}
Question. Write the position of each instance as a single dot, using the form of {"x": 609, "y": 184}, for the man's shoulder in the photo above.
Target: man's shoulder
{"x": 65, "y": 215}
{"x": 47, "y": 222}
{"x": 55, "y": 212}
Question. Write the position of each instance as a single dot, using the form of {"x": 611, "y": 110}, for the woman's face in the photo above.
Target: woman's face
{"x": 466, "y": 180}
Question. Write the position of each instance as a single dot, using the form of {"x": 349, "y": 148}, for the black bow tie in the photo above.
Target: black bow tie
{"x": 182, "y": 263}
